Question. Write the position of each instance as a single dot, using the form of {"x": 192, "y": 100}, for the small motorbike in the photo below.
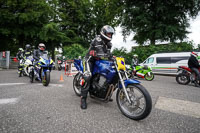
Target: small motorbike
{"x": 27, "y": 65}
{"x": 132, "y": 98}
{"x": 44, "y": 66}
{"x": 185, "y": 75}
{"x": 144, "y": 72}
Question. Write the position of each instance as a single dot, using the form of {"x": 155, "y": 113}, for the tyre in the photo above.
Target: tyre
{"x": 149, "y": 77}
{"x": 20, "y": 73}
{"x": 183, "y": 79}
{"x": 141, "y": 103}
{"x": 76, "y": 84}
{"x": 31, "y": 75}
{"x": 46, "y": 78}
{"x": 130, "y": 74}
{"x": 24, "y": 74}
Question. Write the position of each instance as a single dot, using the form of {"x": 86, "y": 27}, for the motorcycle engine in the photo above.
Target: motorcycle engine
{"x": 99, "y": 86}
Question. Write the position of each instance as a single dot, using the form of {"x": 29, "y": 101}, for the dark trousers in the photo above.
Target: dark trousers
{"x": 88, "y": 67}
{"x": 196, "y": 71}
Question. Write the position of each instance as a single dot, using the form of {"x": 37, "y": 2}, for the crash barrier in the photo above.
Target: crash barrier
{"x": 13, "y": 63}
{"x": 70, "y": 69}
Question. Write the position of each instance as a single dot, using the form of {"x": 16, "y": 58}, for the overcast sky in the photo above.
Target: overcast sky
{"x": 194, "y": 28}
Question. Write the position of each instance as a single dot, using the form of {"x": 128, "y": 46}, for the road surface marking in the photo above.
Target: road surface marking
{"x": 3, "y": 84}
{"x": 8, "y": 101}
{"x": 179, "y": 106}
{"x": 54, "y": 85}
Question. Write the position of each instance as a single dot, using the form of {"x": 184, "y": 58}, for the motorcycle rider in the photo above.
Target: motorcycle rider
{"x": 36, "y": 55}
{"x": 193, "y": 64}
{"x": 135, "y": 60}
{"x": 27, "y": 51}
{"x": 20, "y": 55}
{"x": 99, "y": 48}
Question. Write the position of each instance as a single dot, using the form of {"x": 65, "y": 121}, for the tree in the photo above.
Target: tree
{"x": 81, "y": 20}
{"x": 75, "y": 20}
{"x": 52, "y": 35}
{"x": 21, "y": 21}
{"x": 73, "y": 51}
{"x": 158, "y": 20}
{"x": 105, "y": 12}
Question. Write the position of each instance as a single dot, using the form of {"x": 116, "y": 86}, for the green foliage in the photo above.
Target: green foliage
{"x": 21, "y": 22}
{"x": 73, "y": 51}
{"x": 158, "y": 20}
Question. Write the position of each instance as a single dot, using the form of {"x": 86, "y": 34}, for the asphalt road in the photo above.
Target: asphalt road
{"x": 33, "y": 108}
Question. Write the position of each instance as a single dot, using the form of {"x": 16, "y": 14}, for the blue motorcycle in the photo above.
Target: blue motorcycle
{"x": 132, "y": 98}
{"x": 44, "y": 67}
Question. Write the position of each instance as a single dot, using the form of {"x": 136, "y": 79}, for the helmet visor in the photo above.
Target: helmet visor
{"x": 42, "y": 48}
{"x": 109, "y": 35}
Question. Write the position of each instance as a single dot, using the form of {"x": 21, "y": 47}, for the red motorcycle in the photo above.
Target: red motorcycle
{"x": 185, "y": 76}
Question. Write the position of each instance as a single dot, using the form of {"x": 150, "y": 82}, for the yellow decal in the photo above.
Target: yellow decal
{"x": 120, "y": 63}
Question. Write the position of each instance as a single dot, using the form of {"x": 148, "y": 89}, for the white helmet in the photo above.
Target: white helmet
{"x": 135, "y": 55}
{"x": 41, "y": 46}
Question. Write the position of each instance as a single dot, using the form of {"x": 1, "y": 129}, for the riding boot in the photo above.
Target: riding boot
{"x": 83, "y": 103}
{"x": 196, "y": 84}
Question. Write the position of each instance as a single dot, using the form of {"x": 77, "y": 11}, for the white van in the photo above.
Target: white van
{"x": 167, "y": 63}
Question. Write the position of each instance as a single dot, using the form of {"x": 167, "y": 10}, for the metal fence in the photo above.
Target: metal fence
{"x": 7, "y": 61}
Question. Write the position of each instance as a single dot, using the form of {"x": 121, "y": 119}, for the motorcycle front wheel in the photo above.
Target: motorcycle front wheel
{"x": 183, "y": 79}
{"x": 31, "y": 75}
{"x": 46, "y": 78}
{"x": 20, "y": 73}
{"x": 141, "y": 103}
{"x": 76, "y": 84}
{"x": 149, "y": 76}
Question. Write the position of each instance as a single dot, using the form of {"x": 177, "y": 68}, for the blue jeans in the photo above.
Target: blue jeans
{"x": 196, "y": 71}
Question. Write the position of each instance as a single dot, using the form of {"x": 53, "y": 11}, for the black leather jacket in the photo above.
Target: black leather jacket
{"x": 37, "y": 53}
{"x": 100, "y": 48}
{"x": 27, "y": 53}
{"x": 193, "y": 62}
{"x": 20, "y": 55}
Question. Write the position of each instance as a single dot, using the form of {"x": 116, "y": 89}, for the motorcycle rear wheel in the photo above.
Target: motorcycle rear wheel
{"x": 149, "y": 77}
{"x": 141, "y": 103}
{"x": 183, "y": 79}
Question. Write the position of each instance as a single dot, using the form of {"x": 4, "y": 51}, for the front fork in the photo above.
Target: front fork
{"x": 122, "y": 82}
